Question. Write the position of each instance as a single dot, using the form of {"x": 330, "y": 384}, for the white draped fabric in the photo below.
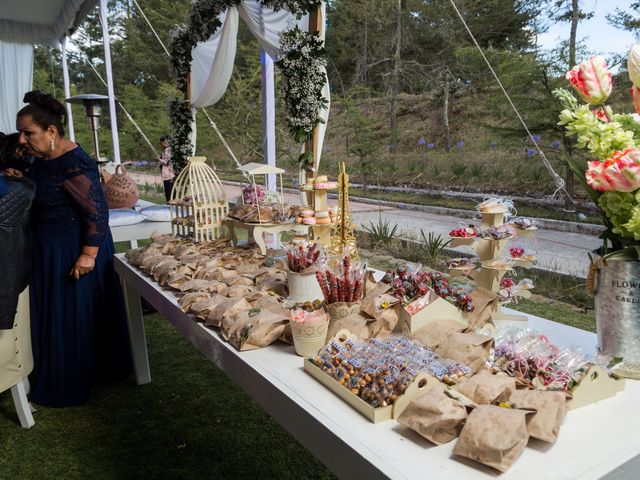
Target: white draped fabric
{"x": 213, "y": 60}
{"x": 16, "y": 74}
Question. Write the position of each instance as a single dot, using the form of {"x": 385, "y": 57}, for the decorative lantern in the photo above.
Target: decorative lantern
{"x": 198, "y": 202}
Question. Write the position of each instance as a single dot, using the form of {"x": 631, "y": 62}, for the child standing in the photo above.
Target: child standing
{"x": 166, "y": 170}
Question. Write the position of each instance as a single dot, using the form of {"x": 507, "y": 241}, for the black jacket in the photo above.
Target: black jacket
{"x": 15, "y": 243}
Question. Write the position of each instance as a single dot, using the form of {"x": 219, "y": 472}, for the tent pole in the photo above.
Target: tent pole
{"x": 110, "y": 90}
{"x": 268, "y": 116}
{"x": 67, "y": 87}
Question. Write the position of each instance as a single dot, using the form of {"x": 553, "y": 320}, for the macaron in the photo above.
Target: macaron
{"x": 309, "y": 221}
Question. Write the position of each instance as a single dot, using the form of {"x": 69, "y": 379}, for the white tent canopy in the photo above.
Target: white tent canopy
{"x": 41, "y": 22}
{"x": 24, "y": 23}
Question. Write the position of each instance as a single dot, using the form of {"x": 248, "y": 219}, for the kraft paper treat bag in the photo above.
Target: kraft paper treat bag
{"x": 485, "y": 302}
{"x": 435, "y": 333}
{"x": 190, "y": 298}
{"x": 241, "y": 281}
{"x": 435, "y": 416}
{"x": 195, "y": 285}
{"x": 384, "y": 323}
{"x": 252, "y": 328}
{"x": 237, "y": 291}
{"x": 494, "y": 436}
{"x": 217, "y": 314}
{"x": 471, "y": 349}
{"x": 150, "y": 261}
{"x": 371, "y": 301}
{"x": 369, "y": 282}
{"x": 203, "y": 308}
{"x": 485, "y": 387}
{"x": 177, "y": 278}
{"x": 356, "y": 324}
{"x": 214, "y": 317}
{"x": 550, "y": 410}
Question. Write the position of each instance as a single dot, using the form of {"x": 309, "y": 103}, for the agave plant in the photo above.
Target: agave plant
{"x": 382, "y": 232}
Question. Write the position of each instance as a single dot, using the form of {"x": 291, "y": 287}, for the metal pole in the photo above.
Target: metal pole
{"x": 67, "y": 87}
{"x": 110, "y": 90}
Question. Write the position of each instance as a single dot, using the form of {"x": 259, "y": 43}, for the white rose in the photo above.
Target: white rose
{"x": 633, "y": 64}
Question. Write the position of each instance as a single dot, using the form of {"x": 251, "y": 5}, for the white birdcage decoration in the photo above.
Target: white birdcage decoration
{"x": 198, "y": 202}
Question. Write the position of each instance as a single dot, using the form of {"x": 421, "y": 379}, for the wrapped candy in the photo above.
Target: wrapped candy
{"x": 302, "y": 257}
{"x": 379, "y": 371}
{"x": 533, "y": 360}
{"x": 464, "y": 232}
{"x": 342, "y": 283}
{"x": 592, "y": 80}
{"x": 408, "y": 284}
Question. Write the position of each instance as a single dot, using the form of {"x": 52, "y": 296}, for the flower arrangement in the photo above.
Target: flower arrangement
{"x": 253, "y": 194}
{"x": 301, "y": 62}
{"x": 612, "y": 177}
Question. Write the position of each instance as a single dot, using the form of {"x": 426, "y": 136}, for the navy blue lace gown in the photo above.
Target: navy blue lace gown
{"x": 79, "y": 330}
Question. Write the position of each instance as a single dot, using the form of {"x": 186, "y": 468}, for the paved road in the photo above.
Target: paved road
{"x": 557, "y": 251}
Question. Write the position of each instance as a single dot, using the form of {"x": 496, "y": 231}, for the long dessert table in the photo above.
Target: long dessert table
{"x": 601, "y": 440}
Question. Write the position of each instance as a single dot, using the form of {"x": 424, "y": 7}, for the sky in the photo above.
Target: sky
{"x": 599, "y": 36}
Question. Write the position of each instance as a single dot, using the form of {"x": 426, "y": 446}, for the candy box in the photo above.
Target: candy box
{"x": 422, "y": 383}
{"x": 426, "y": 309}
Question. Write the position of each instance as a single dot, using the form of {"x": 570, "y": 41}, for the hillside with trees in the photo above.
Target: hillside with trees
{"x": 413, "y": 101}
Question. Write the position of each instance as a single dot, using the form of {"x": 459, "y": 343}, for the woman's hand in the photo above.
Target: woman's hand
{"x": 84, "y": 264}
{"x": 12, "y": 172}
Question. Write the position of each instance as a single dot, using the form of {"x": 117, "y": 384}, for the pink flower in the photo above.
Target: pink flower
{"x": 619, "y": 173}
{"x": 592, "y": 80}
{"x": 600, "y": 113}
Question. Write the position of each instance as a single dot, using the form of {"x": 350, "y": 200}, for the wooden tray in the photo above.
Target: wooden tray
{"x": 421, "y": 384}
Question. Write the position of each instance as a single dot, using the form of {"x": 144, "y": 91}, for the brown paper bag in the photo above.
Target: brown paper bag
{"x": 384, "y": 323}
{"x": 436, "y": 416}
{"x": 356, "y": 324}
{"x": 485, "y": 302}
{"x": 493, "y": 436}
{"x": 471, "y": 349}
{"x": 253, "y": 328}
{"x": 370, "y": 303}
{"x": 237, "y": 291}
{"x": 177, "y": 278}
{"x": 435, "y": 333}
{"x": 195, "y": 285}
{"x": 190, "y": 298}
{"x": 203, "y": 308}
{"x": 241, "y": 281}
{"x": 550, "y": 409}
{"x": 485, "y": 387}
{"x": 217, "y": 314}
{"x": 214, "y": 317}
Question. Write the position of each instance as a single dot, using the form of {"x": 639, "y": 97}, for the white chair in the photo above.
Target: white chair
{"x": 16, "y": 361}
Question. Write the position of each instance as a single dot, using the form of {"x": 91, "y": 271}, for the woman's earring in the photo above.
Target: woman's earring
{"x": 52, "y": 146}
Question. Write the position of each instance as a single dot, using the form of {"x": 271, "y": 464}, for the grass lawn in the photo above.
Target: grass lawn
{"x": 190, "y": 422}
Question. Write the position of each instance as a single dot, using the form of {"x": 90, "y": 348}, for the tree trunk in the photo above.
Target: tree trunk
{"x": 394, "y": 86}
{"x": 445, "y": 112}
{"x": 575, "y": 17}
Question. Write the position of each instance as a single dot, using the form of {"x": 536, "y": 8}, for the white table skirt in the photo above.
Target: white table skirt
{"x": 594, "y": 440}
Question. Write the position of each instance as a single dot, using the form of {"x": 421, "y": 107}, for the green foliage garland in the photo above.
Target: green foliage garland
{"x": 203, "y": 22}
{"x": 181, "y": 118}
{"x": 301, "y": 60}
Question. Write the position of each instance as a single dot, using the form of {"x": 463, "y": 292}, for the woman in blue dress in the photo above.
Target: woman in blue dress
{"x": 78, "y": 323}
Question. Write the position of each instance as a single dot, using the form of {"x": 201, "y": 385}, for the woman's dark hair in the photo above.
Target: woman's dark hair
{"x": 9, "y": 147}
{"x": 44, "y": 110}
{"x": 165, "y": 138}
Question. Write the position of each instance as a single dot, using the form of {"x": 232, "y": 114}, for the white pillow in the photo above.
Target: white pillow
{"x": 157, "y": 213}
{"x": 119, "y": 217}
